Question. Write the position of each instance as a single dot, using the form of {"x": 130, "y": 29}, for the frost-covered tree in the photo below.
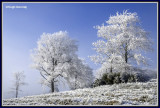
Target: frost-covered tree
{"x": 81, "y": 75}
{"x": 123, "y": 42}
{"x": 55, "y": 57}
{"x": 18, "y": 82}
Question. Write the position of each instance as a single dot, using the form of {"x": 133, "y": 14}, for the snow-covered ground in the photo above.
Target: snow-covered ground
{"x": 117, "y": 94}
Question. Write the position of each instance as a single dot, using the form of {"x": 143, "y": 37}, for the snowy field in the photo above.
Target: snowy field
{"x": 121, "y": 94}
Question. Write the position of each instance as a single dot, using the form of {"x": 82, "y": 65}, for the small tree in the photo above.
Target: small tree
{"x": 18, "y": 82}
{"x": 80, "y": 75}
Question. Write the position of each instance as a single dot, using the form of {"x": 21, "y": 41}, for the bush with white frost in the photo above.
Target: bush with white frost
{"x": 121, "y": 77}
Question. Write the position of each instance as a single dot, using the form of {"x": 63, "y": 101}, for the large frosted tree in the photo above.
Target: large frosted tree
{"x": 123, "y": 44}
{"x": 55, "y": 57}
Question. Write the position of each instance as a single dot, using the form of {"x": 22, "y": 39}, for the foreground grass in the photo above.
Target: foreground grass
{"x": 117, "y": 94}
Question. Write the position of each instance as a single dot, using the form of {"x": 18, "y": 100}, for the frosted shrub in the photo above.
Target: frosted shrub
{"x": 104, "y": 80}
{"x": 96, "y": 83}
{"x": 110, "y": 78}
{"x": 107, "y": 79}
{"x": 124, "y": 77}
{"x": 141, "y": 77}
{"x": 131, "y": 78}
{"x": 117, "y": 80}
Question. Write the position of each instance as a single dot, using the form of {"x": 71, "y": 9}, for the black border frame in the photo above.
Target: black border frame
{"x": 108, "y": 1}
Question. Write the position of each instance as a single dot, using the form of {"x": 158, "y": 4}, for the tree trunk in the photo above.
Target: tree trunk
{"x": 111, "y": 69}
{"x": 126, "y": 54}
{"x": 52, "y": 85}
{"x": 75, "y": 82}
{"x": 111, "y": 66}
{"x": 126, "y": 58}
{"x": 16, "y": 92}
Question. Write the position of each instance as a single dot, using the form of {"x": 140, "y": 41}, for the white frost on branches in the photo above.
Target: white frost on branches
{"x": 18, "y": 82}
{"x": 123, "y": 43}
{"x": 55, "y": 56}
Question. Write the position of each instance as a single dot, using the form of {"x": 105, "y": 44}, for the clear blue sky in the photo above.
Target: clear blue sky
{"x": 23, "y": 27}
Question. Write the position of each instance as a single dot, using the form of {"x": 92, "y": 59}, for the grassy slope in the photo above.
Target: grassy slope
{"x": 122, "y": 94}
